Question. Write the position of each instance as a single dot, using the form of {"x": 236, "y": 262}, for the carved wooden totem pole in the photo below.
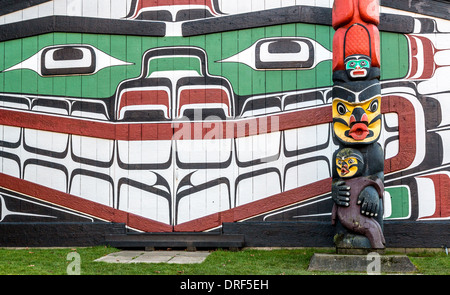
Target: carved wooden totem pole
{"x": 358, "y": 164}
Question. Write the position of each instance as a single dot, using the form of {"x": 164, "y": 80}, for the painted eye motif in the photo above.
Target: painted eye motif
{"x": 281, "y": 53}
{"x": 339, "y": 162}
{"x": 363, "y": 63}
{"x": 373, "y": 106}
{"x": 341, "y": 109}
{"x": 67, "y": 60}
{"x": 351, "y": 161}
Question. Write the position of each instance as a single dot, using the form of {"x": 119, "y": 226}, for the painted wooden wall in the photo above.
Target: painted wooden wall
{"x": 179, "y": 115}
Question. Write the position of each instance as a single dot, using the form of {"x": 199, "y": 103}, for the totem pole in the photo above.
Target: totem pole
{"x": 358, "y": 164}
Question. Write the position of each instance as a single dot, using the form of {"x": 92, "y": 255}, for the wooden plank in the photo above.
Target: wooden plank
{"x": 285, "y": 15}
{"x": 76, "y": 24}
{"x": 439, "y": 9}
{"x": 398, "y": 234}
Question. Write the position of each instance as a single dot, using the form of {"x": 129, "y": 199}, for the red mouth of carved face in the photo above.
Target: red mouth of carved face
{"x": 358, "y": 73}
{"x": 359, "y": 131}
{"x": 344, "y": 171}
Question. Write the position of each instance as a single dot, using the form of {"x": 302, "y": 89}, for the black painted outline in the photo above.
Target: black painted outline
{"x": 286, "y": 15}
{"x": 76, "y": 24}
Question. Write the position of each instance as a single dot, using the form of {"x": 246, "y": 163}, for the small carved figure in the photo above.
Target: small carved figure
{"x": 357, "y": 197}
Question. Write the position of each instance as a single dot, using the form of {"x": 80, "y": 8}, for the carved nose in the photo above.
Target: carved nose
{"x": 359, "y": 115}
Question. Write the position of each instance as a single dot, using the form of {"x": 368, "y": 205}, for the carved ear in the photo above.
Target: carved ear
{"x": 369, "y": 11}
{"x": 342, "y": 14}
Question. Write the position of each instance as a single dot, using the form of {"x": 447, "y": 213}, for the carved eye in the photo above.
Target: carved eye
{"x": 363, "y": 63}
{"x": 373, "y": 106}
{"x": 339, "y": 162}
{"x": 341, "y": 109}
{"x": 351, "y": 161}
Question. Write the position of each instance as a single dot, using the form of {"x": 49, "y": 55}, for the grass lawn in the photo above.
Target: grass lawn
{"x": 220, "y": 262}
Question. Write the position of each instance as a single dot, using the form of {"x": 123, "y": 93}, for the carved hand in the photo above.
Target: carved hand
{"x": 369, "y": 200}
{"x": 340, "y": 193}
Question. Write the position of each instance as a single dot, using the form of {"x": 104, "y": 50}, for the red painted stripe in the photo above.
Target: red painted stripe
{"x": 204, "y": 96}
{"x": 145, "y": 97}
{"x": 414, "y": 63}
{"x": 429, "y": 65}
{"x": 258, "y": 207}
{"x": 81, "y": 205}
{"x": 406, "y": 129}
{"x": 166, "y": 130}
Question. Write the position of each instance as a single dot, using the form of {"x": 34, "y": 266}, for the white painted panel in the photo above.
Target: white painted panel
{"x": 306, "y": 174}
{"x": 144, "y": 204}
{"x": 49, "y": 141}
{"x": 46, "y": 176}
{"x": 74, "y": 7}
{"x": 257, "y": 187}
{"x": 10, "y": 134}
{"x": 90, "y": 8}
{"x": 391, "y": 149}
{"x": 258, "y": 146}
{"x": 45, "y": 9}
{"x": 10, "y": 167}
{"x": 60, "y": 7}
{"x": 307, "y": 137}
{"x": 144, "y": 152}
{"x": 92, "y": 148}
{"x": 202, "y": 203}
{"x": 92, "y": 188}
{"x": 426, "y": 197}
{"x": 204, "y": 151}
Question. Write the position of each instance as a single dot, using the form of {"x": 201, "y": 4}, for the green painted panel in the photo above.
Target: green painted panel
{"x": 244, "y": 79}
{"x": 394, "y": 56}
{"x": 174, "y": 64}
{"x": 400, "y": 202}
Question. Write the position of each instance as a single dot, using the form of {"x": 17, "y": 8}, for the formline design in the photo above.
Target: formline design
{"x": 217, "y": 116}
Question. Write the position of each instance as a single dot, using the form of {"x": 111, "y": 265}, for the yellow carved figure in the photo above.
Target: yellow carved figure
{"x": 348, "y": 163}
{"x": 357, "y": 122}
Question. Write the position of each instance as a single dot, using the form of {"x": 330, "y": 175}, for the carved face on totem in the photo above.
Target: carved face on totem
{"x": 357, "y": 66}
{"x": 357, "y": 115}
{"x": 349, "y": 163}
